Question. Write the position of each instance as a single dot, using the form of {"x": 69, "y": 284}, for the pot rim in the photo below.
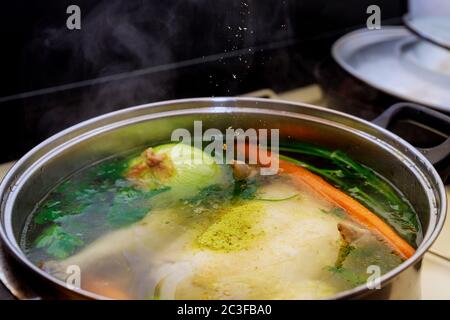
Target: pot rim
{"x": 102, "y": 123}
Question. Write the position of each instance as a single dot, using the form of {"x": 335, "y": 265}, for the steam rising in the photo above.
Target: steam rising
{"x": 131, "y": 52}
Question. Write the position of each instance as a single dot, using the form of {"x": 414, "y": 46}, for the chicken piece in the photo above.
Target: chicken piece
{"x": 351, "y": 232}
{"x": 241, "y": 170}
{"x": 251, "y": 250}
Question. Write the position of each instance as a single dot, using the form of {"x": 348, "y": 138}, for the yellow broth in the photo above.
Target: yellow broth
{"x": 259, "y": 238}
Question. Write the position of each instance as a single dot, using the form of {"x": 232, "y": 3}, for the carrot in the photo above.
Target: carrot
{"x": 106, "y": 289}
{"x": 356, "y": 210}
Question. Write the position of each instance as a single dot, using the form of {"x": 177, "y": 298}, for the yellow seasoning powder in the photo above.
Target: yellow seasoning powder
{"x": 234, "y": 230}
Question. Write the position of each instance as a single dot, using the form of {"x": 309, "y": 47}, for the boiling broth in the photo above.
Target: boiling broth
{"x": 206, "y": 235}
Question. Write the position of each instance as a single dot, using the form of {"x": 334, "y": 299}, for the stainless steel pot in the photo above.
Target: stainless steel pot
{"x": 63, "y": 154}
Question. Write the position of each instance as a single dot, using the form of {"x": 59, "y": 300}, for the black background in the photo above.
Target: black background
{"x": 130, "y": 52}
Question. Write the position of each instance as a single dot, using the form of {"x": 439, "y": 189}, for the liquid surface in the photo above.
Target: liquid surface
{"x": 210, "y": 237}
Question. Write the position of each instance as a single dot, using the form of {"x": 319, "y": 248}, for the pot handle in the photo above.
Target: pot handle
{"x": 439, "y": 155}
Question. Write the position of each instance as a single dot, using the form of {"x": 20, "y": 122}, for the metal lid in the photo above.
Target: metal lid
{"x": 399, "y": 63}
{"x": 431, "y": 28}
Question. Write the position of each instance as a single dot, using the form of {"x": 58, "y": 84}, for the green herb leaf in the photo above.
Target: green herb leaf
{"x": 338, "y": 212}
{"x": 353, "y": 278}
{"x": 131, "y": 205}
{"x": 245, "y": 189}
{"x": 58, "y": 243}
{"x": 111, "y": 170}
{"x": 344, "y": 250}
{"x": 210, "y": 197}
{"x": 279, "y": 199}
